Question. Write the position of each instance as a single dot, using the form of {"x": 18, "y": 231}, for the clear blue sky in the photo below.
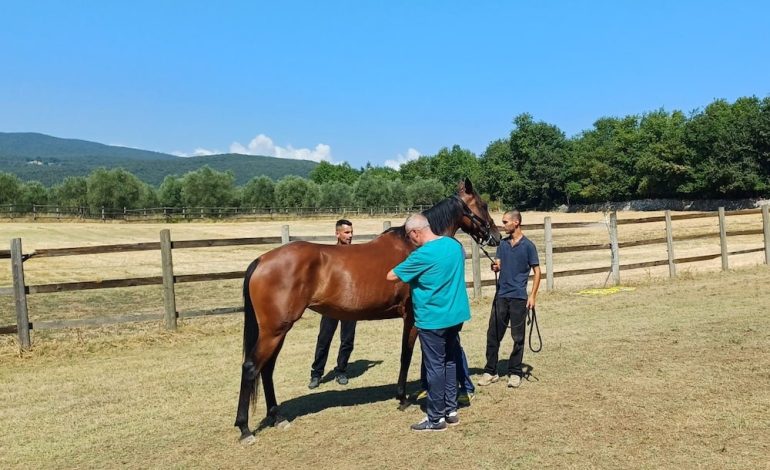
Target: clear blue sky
{"x": 362, "y": 81}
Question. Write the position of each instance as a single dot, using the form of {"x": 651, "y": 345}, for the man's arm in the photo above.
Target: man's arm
{"x": 535, "y": 286}
{"x": 391, "y": 276}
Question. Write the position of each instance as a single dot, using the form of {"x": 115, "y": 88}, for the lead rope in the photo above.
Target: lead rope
{"x": 531, "y": 313}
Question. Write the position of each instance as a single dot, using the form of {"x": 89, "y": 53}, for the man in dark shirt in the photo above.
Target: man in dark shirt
{"x": 344, "y": 231}
{"x": 515, "y": 258}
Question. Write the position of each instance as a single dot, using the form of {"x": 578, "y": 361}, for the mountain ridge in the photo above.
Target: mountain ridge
{"x": 48, "y": 159}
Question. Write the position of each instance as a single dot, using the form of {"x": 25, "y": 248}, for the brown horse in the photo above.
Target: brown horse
{"x": 343, "y": 282}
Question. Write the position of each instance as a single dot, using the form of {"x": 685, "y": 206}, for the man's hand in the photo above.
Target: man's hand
{"x": 495, "y": 266}
{"x": 530, "y": 302}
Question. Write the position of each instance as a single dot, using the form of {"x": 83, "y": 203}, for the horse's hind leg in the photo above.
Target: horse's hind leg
{"x": 262, "y": 357}
{"x": 248, "y": 377}
{"x": 267, "y": 382}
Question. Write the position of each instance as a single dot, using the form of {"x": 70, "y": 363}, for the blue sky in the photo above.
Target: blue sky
{"x": 363, "y": 81}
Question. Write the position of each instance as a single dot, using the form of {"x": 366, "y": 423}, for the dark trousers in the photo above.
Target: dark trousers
{"x": 463, "y": 374}
{"x": 439, "y": 353}
{"x": 325, "y": 335}
{"x": 503, "y": 311}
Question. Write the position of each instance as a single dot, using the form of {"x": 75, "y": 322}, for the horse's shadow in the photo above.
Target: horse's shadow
{"x": 315, "y": 402}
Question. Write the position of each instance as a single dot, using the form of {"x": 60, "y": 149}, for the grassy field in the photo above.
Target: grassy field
{"x": 666, "y": 375}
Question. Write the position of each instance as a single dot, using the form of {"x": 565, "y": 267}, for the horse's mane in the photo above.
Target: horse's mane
{"x": 441, "y": 216}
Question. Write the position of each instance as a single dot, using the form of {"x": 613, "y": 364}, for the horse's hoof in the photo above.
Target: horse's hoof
{"x": 248, "y": 440}
{"x": 403, "y": 406}
{"x": 283, "y": 424}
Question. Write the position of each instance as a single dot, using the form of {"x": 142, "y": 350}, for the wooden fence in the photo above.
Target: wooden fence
{"x": 20, "y": 290}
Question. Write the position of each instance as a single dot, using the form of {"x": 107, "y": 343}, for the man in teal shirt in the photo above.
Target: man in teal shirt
{"x": 435, "y": 271}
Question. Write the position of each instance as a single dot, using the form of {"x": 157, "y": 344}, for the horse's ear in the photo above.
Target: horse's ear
{"x": 468, "y": 186}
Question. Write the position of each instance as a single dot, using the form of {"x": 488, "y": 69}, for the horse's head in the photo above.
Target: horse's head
{"x": 476, "y": 220}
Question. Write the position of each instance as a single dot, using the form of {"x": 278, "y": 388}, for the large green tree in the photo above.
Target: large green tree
{"x": 425, "y": 192}
{"x": 453, "y": 165}
{"x": 33, "y": 192}
{"x": 10, "y": 188}
{"x": 259, "y": 192}
{"x": 208, "y": 188}
{"x": 538, "y": 159}
{"x": 296, "y": 192}
{"x": 372, "y": 190}
{"x": 170, "y": 191}
{"x": 114, "y": 189}
{"x": 327, "y": 172}
{"x": 498, "y": 178}
{"x": 336, "y": 194}
{"x": 662, "y": 163}
{"x": 72, "y": 192}
{"x": 728, "y": 149}
{"x": 602, "y": 161}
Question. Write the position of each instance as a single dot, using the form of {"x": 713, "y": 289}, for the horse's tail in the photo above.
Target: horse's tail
{"x": 250, "y": 328}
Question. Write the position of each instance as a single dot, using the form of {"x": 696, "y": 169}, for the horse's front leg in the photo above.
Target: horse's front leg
{"x": 407, "y": 348}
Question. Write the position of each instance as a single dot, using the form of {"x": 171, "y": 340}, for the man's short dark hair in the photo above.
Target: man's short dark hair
{"x": 515, "y": 214}
{"x": 342, "y": 222}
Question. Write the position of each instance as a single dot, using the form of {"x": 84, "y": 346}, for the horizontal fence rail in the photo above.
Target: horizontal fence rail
{"x": 168, "y": 279}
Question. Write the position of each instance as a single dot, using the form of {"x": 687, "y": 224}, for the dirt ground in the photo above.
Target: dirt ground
{"x": 663, "y": 374}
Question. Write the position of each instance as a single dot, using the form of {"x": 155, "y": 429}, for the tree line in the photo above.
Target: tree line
{"x": 721, "y": 151}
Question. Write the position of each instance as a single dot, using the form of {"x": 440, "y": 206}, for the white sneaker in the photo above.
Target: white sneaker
{"x": 514, "y": 381}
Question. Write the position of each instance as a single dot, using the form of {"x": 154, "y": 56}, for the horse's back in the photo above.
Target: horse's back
{"x": 344, "y": 282}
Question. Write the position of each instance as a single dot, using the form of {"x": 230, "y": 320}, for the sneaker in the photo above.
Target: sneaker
{"x": 488, "y": 379}
{"x": 422, "y": 395}
{"x": 464, "y": 399}
{"x": 452, "y": 419}
{"x": 514, "y": 381}
{"x": 341, "y": 379}
{"x": 426, "y": 425}
{"x": 314, "y": 382}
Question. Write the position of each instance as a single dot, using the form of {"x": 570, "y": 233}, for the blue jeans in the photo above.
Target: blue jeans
{"x": 439, "y": 352}
{"x": 463, "y": 374}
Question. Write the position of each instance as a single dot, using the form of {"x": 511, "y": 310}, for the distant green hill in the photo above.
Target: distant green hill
{"x": 47, "y": 159}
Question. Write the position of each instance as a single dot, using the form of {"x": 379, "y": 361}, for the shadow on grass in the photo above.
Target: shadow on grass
{"x": 355, "y": 369}
{"x": 316, "y": 401}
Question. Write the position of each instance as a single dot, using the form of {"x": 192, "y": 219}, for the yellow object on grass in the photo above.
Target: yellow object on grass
{"x": 606, "y": 290}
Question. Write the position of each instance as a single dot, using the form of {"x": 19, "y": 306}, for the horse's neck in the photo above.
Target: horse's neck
{"x": 450, "y": 231}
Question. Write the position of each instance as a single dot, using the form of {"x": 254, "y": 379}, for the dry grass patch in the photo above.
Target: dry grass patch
{"x": 667, "y": 375}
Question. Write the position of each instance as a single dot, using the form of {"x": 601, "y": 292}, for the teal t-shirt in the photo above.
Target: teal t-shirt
{"x": 436, "y": 274}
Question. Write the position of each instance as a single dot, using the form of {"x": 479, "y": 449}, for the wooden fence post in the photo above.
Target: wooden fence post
{"x": 548, "y": 235}
{"x": 723, "y": 238}
{"x": 20, "y": 294}
{"x": 476, "y": 266}
{"x": 670, "y": 245}
{"x": 169, "y": 297}
{"x": 385, "y": 225}
{"x": 285, "y": 234}
{"x": 615, "y": 252}
{"x": 766, "y": 230}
